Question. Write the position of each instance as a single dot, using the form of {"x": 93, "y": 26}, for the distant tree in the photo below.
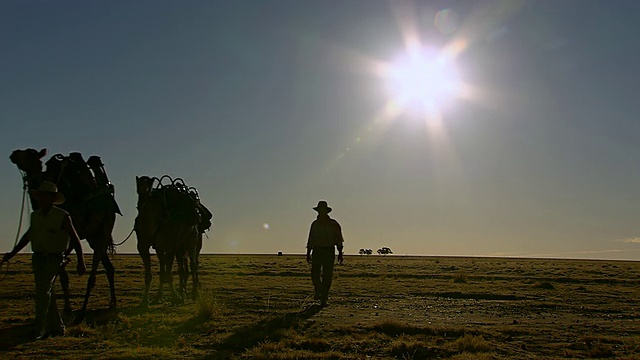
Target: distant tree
{"x": 362, "y": 251}
{"x": 368, "y": 251}
{"x": 384, "y": 251}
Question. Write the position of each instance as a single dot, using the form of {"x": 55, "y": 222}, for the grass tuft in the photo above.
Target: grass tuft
{"x": 412, "y": 349}
{"x": 81, "y": 331}
{"x": 313, "y": 344}
{"x": 460, "y": 278}
{"x": 601, "y": 351}
{"x": 471, "y": 344}
{"x": 545, "y": 286}
{"x": 208, "y": 306}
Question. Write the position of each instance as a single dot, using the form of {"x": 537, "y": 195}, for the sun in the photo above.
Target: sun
{"x": 423, "y": 81}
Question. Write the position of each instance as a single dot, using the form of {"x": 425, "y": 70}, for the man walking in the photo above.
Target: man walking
{"x": 52, "y": 237}
{"x": 324, "y": 235}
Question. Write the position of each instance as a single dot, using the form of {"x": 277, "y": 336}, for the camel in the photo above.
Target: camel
{"x": 168, "y": 220}
{"x": 90, "y": 203}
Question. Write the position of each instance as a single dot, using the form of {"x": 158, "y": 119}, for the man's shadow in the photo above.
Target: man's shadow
{"x": 250, "y": 335}
{"x": 11, "y": 337}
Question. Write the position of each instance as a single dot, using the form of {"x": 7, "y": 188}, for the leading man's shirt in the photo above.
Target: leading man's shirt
{"x": 46, "y": 232}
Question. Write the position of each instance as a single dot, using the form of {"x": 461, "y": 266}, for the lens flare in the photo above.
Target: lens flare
{"x": 423, "y": 80}
{"x": 447, "y": 21}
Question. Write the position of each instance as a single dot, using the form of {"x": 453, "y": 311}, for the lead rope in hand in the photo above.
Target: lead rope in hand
{"x": 125, "y": 240}
{"x": 24, "y": 196}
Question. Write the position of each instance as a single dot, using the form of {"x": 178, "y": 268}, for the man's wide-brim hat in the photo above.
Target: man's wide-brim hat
{"x": 322, "y": 207}
{"x": 51, "y": 188}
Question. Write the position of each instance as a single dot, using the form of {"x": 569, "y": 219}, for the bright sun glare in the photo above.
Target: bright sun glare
{"x": 423, "y": 81}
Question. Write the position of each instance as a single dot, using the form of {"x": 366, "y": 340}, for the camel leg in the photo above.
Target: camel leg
{"x": 166, "y": 275}
{"x": 183, "y": 275}
{"x": 175, "y": 299}
{"x": 162, "y": 276}
{"x": 64, "y": 284}
{"x": 90, "y": 284}
{"x": 146, "y": 260}
{"x": 194, "y": 276}
{"x": 110, "y": 270}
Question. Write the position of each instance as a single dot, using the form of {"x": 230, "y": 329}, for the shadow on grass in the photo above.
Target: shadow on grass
{"x": 11, "y": 337}
{"x": 105, "y": 316}
{"x": 97, "y": 317}
{"x": 248, "y": 336}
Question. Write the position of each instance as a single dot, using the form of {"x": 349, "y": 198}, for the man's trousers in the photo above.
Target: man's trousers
{"x": 322, "y": 260}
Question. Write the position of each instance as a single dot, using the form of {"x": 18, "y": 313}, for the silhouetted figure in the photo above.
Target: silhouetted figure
{"x": 52, "y": 237}
{"x": 92, "y": 208}
{"x": 324, "y": 236}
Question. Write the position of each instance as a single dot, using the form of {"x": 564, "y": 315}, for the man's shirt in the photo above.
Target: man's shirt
{"x": 46, "y": 233}
{"x": 325, "y": 232}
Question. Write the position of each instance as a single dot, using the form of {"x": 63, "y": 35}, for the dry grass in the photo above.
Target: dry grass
{"x": 260, "y": 307}
{"x": 460, "y": 278}
{"x": 208, "y": 306}
{"x": 471, "y": 344}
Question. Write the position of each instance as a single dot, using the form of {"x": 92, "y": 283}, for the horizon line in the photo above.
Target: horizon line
{"x": 513, "y": 257}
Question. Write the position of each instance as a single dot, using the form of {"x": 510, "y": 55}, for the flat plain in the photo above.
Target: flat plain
{"x": 381, "y": 307}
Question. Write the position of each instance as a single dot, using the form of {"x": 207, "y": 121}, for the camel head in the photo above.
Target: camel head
{"x": 28, "y": 160}
{"x": 144, "y": 185}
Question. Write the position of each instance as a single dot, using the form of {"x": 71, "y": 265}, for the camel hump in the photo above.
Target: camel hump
{"x": 181, "y": 201}
{"x": 84, "y": 183}
{"x": 79, "y": 168}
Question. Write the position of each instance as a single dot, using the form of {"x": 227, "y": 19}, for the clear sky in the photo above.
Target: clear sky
{"x": 269, "y": 106}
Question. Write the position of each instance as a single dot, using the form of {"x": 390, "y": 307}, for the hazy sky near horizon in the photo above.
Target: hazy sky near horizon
{"x": 269, "y": 106}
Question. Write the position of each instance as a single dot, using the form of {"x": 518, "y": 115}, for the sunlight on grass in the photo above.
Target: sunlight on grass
{"x": 410, "y": 309}
{"x": 472, "y": 344}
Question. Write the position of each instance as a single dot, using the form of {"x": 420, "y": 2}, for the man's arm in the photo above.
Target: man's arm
{"x": 74, "y": 243}
{"x": 24, "y": 240}
{"x": 339, "y": 242}
{"x": 308, "y": 254}
{"x": 309, "y": 245}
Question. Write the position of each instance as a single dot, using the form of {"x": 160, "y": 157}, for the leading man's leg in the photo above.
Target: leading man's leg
{"x": 44, "y": 282}
{"x": 327, "y": 273}
{"x": 54, "y": 320}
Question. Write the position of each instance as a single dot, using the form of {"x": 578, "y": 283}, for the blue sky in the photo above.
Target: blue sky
{"x": 262, "y": 106}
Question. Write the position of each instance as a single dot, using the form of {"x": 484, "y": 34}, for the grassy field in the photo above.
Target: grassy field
{"x": 260, "y": 307}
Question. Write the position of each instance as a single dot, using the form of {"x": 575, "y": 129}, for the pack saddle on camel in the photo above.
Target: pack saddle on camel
{"x": 172, "y": 220}
{"x": 90, "y": 202}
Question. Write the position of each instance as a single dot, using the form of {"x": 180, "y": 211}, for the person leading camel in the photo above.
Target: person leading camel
{"x": 324, "y": 236}
{"x": 52, "y": 238}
